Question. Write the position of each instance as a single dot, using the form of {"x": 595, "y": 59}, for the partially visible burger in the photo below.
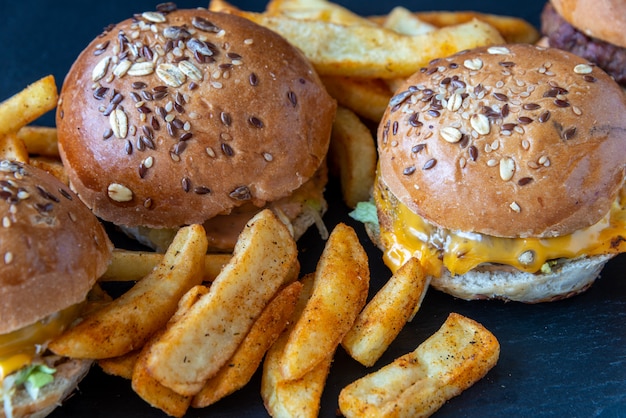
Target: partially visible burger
{"x": 502, "y": 170}
{"x": 52, "y": 251}
{"x": 592, "y": 29}
{"x": 175, "y": 117}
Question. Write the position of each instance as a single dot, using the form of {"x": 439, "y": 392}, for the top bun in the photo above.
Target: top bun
{"x": 509, "y": 141}
{"x": 601, "y": 19}
{"x": 52, "y": 248}
{"x": 173, "y": 117}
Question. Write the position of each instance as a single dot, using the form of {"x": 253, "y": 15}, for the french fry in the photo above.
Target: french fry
{"x": 239, "y": 369}
{"x": 339, "y": 293}
{"x": 459, "y": 354}
{"x": 293, "y": 398}
{"x": 129, "y": 321}
{"x": 367, "y": 97}
{"x": 194, "y": 348}
{"x": 121, "y": 366}
{"x": 27, "y": 105}
{"x": 371, "y": 51}
{"x": 321, "y": 10}
{"x": 12, "y": 148}
{"x": 40, "y": 140}
{"x": 402, "y": 20}
{"x": 386, "y": 313}
{"x": 129, "y": 265}
{"x": 353, "y": 154}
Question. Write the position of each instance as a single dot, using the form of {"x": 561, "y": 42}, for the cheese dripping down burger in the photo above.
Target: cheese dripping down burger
{"x": 52, "y": 249}
{"x": 502, "y": 170}
{"x": 593, "y": 29}
{"x": 178, "y": 117}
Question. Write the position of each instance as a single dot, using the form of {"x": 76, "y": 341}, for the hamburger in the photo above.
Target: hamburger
{"x": 592, "y": 29}
{"x": 502, "y": 170}
{"x": 53, "y": 250}
{"x": 177, "y": 117}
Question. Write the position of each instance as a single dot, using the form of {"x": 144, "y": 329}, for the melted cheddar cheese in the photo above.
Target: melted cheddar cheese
{"x": 410, "y": 235}
{"x": 18, "y": 348}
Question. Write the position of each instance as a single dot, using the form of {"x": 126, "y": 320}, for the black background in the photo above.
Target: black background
{"x": 565, "y": 358}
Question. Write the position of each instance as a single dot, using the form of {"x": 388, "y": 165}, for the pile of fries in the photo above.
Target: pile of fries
{"x": 195, "y": 327}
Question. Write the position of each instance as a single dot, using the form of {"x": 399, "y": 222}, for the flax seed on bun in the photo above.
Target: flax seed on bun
{"x": 499, "y": 164}
{"x": 52, "y": 251}
{"x": 175, "y": 117}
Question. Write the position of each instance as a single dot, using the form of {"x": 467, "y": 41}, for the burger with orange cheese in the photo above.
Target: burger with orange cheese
{"x": 52, "y": 250}
{"x": 502, "y": 170}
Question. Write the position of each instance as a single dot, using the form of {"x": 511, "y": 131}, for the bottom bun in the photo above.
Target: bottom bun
{"x": 567, "y": 278}
{"x": 68, "y": 374}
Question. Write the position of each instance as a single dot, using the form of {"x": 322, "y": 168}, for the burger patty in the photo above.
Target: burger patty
{"x": 562, "y": 35}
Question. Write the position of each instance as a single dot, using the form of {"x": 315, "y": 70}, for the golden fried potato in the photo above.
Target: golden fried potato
{"x": 367, "y": 97}
{"x": 27, "y": 105}
{"x": 195, "y": 347}
{"x": 129, "y": 265}
{"x": 371, "y": 51}
{"x": 130, "y": 320}
{"x": 459, "y": 354}
{"x": 339, "y": 293}
{"x": 239, "y": 369}
{"x": 40, "y": 140}
{"x": 386, "y": 313}
{"x": 300, "y": 397}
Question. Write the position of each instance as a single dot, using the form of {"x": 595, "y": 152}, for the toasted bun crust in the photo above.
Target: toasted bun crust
{"x": 204, "y": 112}
{"x": 67, "y": 376}
{"x": 602, "y": 19}
{"x": 52, "y": 247}
{"x": 511, "y": 141}
{"x": 569, "y": 278}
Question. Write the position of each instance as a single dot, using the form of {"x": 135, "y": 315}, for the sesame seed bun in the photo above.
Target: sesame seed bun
{"x": 174, "y": 117}
{"x": 52, "y": 248}
{"x": 491, "y": 160}
{"x": 533, "y": 146}
{"x": 601, "y": 19}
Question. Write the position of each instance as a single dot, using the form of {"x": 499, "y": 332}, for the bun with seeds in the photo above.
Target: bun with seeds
{"x": 177, "y": 117}
{"x": 52, "y": 249}
{"x": 502, "y": 170}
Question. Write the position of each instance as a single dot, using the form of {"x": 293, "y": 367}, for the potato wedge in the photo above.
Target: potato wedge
{"x": 386, "y": 314}
{"x": 121, "y": 366}
{"x": 12, "y": 148}
{"x": 40, "y": 140}
{"x": 194, "y": 348}
{"x": 239, "y": 369}
{"x": 293, "y": 398}
{"x": 353, "y": 154}
{"x": 367, "y": 97}
{"x": 371, "y": 51}
{"x": 402, "y": 20}
{"x": 130, "y": 320}
{"x": 339, "y": 293}
{"x": 459, "y": 354}
{"x": 321, "y": 10}
{"x": 27, "y": 105}
{"x": 129, "y": 265}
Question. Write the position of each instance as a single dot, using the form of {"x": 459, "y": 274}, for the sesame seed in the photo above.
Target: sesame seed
{"x": 8, "y": 257}
{"x": 515, "y": 207}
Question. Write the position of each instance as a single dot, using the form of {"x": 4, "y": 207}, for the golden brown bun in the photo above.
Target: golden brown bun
{"x": 602, "y": 19}
{"x": 251, "y": 119}
{"x": 52, "y": 248}
{"x": 513, "y": 171}
{"x": 67, "y": 376}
